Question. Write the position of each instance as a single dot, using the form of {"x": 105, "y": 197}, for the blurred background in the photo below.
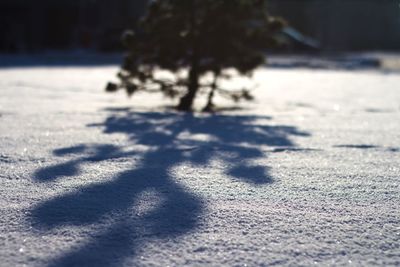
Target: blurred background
{"x": 96, "y": 25}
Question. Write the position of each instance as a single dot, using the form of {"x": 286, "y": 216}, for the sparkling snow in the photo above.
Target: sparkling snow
{"x": 308, "y": 174}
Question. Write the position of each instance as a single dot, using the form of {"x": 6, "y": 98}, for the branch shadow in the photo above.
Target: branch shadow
{"x": 170, "y": 139}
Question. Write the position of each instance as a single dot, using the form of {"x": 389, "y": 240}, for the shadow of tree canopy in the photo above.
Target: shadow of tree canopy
{"x": 170, "y": 139}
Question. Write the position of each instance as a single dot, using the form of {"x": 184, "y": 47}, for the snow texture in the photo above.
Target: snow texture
{"x": 308, "y": 174}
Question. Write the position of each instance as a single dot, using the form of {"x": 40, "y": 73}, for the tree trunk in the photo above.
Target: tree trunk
{"x": 210, "y": 105}
{"x": 186, "y": 101}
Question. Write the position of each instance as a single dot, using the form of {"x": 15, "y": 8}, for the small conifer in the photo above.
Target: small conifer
{"x": 194, "y": 38}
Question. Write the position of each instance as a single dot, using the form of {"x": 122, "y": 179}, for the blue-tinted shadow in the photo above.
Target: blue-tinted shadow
{"x": 172, "y": 139}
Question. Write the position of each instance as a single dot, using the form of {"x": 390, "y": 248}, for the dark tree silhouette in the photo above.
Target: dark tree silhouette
{"x": 192, "y": 39}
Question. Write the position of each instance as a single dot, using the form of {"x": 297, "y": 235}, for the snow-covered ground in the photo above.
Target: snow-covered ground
{"x": 308, "y": 174}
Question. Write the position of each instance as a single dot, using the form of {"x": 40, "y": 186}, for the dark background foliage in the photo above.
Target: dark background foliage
{"x": 32, "y": 26}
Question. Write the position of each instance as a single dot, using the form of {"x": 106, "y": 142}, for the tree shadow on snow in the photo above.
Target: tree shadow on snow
{"x": 170, "y": 140}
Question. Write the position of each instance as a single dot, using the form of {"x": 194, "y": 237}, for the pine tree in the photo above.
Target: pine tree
{"x": 193, "y": 38}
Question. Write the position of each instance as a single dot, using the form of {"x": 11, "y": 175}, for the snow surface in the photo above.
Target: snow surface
{"x": 308, "y": 174}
